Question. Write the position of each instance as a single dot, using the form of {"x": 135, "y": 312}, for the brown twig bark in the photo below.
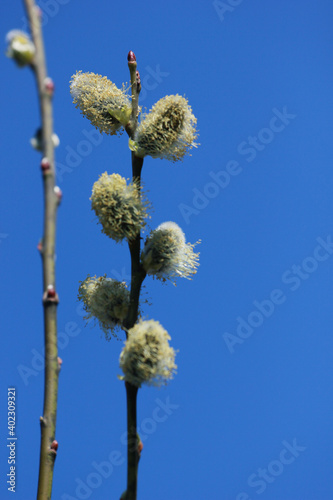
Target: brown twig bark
{"x": 50, "y": 298}
{"x": 138, "y": 274}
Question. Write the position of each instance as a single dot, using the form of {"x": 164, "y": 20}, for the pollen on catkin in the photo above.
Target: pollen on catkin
{"x": 147, "y": 357}
{"x": 120, "y": 207}
{"x": 167, "y": 131}
{"x": 106, "y": 300}
{"x": 20, "y": 47}
{"x": 107, "y": 107}
{"x": 166, "y": 254}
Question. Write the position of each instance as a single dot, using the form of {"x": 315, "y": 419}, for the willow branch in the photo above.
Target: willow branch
{"x": 138, "y": 274}
{"x": 50, "y": 298}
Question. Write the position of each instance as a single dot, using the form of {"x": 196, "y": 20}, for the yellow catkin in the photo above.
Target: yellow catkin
{"x": 106, "y": 300}
{"x": 167, "y": 131}
{"x": 120, "y": 207}
{"x": 107, "y": 107}
{"x": 147, "y": 357}
{"x": 166, "y": 254}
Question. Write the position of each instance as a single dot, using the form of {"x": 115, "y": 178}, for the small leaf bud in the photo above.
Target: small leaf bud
{"x": 54, "y": 445}
{"x": 49, "y": 86}
{"x": 51, "y": 293}
{"x": 57, "y": 191}
{"x": 45, "y": 164}
{"x": 131, "y": 56}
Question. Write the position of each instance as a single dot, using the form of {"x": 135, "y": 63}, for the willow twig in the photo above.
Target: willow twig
{"x": 50, "y": 298}
{"x": 138, "y": 274}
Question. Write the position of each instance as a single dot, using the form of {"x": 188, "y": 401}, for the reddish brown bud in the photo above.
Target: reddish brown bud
{"x": 51, "y": 291}
{"x": 54, "y": 445}
{"x": 138, "y": 81}
{"x": 140, "y": 447}
{"x": 58, "y": 193}
{"x": 49, "y": 85}
{"x": 131, "y": 56}
{"x": 59, "y": 362}
{"x": 40, "y": 246}
{"x": 45, "y": 164}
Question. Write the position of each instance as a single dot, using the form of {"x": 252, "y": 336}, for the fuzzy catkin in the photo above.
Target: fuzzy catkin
{"x": 167, "y": 131}
{"x": 166, "y": 254}
{"x": 120, "y": 207}
{"x": 107, "y": 107}
{"x": 106, "y": 300}
{"x": 20, "y": 47}
{"x": 147, "y": 357}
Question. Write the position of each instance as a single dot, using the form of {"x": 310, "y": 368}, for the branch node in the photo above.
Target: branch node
{"x": 42, "y": 421}
{"x": 40, "y": 246}
{"x": 138, "y": 82}
{"x": 49, "y": 86}
{"x": 58, "y": 193}
{"x": 59, "y": 363}
{"x": 50, "y": 296}
{"x": 54, "y": 445}
{"x": 45, "y": 164}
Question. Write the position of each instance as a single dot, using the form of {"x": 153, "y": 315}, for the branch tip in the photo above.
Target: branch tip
{"x": 131, "y": 56}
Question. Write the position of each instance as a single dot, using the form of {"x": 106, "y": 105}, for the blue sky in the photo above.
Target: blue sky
{"x": 249, "y": 413}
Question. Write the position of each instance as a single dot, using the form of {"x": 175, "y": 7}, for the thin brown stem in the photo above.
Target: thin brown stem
{"x": 138, "y": 274}
{"x": 50, "y": 298}
{"x": 132, "y": 442}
